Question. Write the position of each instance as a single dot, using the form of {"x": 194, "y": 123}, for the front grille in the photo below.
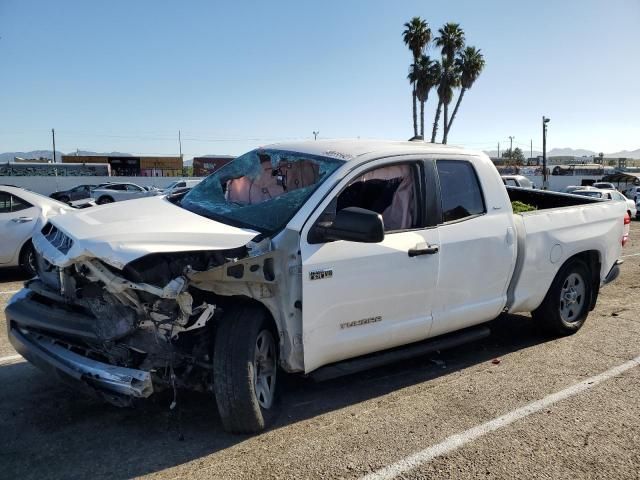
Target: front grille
{"x": 57, "y": 238}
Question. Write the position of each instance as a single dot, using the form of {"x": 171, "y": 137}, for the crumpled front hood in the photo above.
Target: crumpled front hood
{"x": 118, "y": 233}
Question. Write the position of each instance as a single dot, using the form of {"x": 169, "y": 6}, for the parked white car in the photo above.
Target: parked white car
{"x": 604, "y": 186}
{"x": 307, "y": 257}
{"x": 117, "y": 192}
{"x": 573, "y": 188}
{"x": 178, "y": 185}
{"x": 21, "y": 211}
{"x": 517, "y": 181}
{"x": 609, "y": 195}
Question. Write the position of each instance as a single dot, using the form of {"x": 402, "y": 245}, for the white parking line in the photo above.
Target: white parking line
{"x": 9, "y": 291}
{"x": 630, "y": 255}
{"x": 10, "y": 359}
{"x": 460, "y": 439}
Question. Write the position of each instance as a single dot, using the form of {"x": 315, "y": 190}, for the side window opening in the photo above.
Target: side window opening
{"x": 460, "y": 192}
{"x": 5, "y": 202}
{"x": 18, "y": 204}
{"x": 389, "y": 191}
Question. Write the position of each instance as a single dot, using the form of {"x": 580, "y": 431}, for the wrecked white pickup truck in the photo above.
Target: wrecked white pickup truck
{"x": 320, "y": 258}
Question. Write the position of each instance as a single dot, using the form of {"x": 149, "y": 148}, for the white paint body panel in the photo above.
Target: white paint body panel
{"x": 598, "y": 226}
{"x": 120, "y": 233}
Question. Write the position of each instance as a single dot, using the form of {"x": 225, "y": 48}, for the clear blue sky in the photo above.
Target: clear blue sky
{"x": 126, "y": 75}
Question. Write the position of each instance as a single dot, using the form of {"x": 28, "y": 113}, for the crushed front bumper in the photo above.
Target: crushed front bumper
{"x": 118, "y": 385}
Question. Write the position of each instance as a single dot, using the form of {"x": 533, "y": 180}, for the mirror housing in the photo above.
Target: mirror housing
{"x": 352, "y": 224}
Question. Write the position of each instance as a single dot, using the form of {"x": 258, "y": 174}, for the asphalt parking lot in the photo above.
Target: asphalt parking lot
{"x": 458, "y": 414}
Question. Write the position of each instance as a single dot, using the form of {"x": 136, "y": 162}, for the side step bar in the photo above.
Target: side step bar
{"x": 444, "y": 342}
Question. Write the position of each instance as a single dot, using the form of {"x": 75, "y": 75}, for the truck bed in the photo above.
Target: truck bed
{"x": 562, "y": 226}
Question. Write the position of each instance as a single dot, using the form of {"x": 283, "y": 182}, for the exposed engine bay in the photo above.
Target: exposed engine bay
{"x": 159, "y": 313}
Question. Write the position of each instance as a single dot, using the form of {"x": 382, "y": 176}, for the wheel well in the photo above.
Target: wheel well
{"x": 238, "y": 301}
{"x": 25, "y": 245}
{"x": 592, "y": 259}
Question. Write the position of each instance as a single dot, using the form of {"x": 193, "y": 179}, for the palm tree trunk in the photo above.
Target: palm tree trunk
{"x": 415, "y": 113}
{"x": 422, "y": 119}
{"x": 453, "y": 115}
{"x": 435, "y": 122}
{"x": 446, "y": 123}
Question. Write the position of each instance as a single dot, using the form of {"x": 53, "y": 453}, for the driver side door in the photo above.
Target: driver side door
{"x": 360, "y": 298}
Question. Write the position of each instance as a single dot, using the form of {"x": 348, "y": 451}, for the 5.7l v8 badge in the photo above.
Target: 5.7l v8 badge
{"x": 320, "y": 274}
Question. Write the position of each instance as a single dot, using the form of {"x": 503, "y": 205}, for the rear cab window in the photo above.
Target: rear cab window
{"x": 460, "y": 191}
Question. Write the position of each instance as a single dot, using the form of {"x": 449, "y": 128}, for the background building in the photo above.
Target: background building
{"x": 129, "y": 166}
{"x": 203, "y": 166}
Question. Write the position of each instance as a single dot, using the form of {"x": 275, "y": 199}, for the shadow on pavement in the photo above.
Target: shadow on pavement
{"x": 47, "y": 430}
{"x": 12, "y": 275}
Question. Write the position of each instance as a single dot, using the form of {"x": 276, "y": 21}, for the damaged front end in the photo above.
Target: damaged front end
{"x": 126, "y": 333}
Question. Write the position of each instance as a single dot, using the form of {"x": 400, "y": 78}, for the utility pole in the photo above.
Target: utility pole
{"x": 180, "y": 143}
{"x": 531, "y": 150}
{"x": 315, "y": 135}
{"x": 498, "y": 149}
{"x": 545, "y": 120}
{"x": 511, "y": 145}
{"x": 53, "y": 138}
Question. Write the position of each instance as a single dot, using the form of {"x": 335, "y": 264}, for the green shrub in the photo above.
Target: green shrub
{"x": 521, "y": 207}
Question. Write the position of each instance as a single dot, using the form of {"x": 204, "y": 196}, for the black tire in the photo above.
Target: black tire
{"x": 234, "y": 363}
{"x": 104, "y": 200}
{"x": 64, "y": 199}
{"x": 556, "y": 314}
{"x": 28, "y": 259}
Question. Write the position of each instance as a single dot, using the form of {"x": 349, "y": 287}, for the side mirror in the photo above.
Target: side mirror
{"x": 352, "y": 224}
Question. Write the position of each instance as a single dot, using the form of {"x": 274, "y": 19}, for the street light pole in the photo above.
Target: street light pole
{"x": 53, "y": 138}
{"x": 545, "y": 184}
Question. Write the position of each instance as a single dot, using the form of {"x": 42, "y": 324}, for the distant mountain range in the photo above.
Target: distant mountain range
{"x": 574, "y": 152}
{"x": 9, "y": 156}
{"x": 554, "y": 152}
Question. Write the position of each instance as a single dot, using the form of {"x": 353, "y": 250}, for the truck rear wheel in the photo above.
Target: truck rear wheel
{"x": 566, "y": 306}
{"x": 245, "y": 366}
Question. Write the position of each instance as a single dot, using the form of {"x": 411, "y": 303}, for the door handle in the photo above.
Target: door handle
{"x": 21, "y": 219}
{"x": 423, "y": 249}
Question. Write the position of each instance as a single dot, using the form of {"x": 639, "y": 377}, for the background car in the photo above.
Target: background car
{"x": 517, "y": 181}
{"x": 20, "y": 212}
{"x": 179, "y": 184}
{"x": 604, "y": 186}
{"x": 75, "y": 193}
{"x": 633, "y": 193}
{"x": 573, "y": 188}
{"x": 609, "y": 195}
{"x": 117, "y": 192}
{"x": 632, "y": 209}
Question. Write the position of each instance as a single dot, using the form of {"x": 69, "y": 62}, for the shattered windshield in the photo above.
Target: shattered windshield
{"x": 261, "y": 189}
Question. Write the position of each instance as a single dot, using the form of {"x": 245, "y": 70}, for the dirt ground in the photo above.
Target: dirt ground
{"x": 353, "y": 426}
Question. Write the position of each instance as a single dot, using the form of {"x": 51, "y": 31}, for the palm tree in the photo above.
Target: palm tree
{"x": 428, "y": 76}
{"x": 450, "y": 39}
{"x": 450, "y": 79}
{"x": 416, "y": 36}
{"x": 470, "y": 63}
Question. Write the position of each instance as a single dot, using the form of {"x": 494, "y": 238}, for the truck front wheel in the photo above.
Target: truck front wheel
{"x": 245, "y": 367}
{"x": 566, "y": 305}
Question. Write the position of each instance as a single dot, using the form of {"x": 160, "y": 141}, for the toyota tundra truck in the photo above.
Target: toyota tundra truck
{"x": 319, "y": 258}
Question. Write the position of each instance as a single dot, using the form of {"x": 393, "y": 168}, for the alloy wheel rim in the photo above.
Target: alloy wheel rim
{"x": 572, "y": 298}
{"x": 265, "y": 369}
